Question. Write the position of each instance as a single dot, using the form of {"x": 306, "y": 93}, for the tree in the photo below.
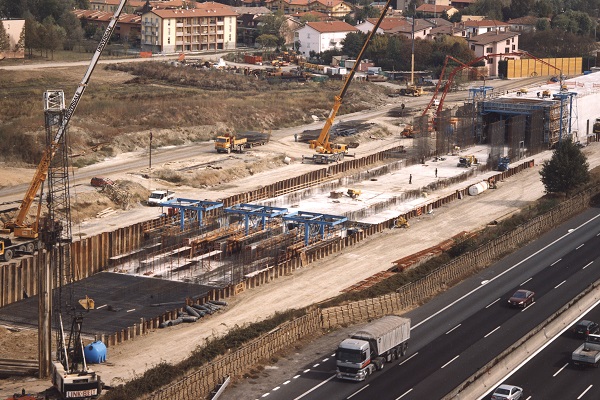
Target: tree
{"x": 53, "y": 36}
{"x": 353, "y": 42}
{"x": 4, "y": 42}
{"x": 566, "y": 170}
{"x": 73, "y": 30}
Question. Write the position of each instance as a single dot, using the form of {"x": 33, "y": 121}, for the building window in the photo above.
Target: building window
{"x": 168, "y": 40}
{"x": 513, "y": 47}
{"x": 489, "y": 50}
{"x": 506, "y": 49}
{"x": 473, "y": 47}
{"x": 507, "y": 41}
{"x": 490, "y": 61}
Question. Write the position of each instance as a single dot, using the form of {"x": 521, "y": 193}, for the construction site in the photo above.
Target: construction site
{"x": 182, "y": 265}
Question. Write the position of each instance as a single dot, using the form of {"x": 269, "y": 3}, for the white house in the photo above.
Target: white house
{"x": 321, "y": 36}
{"x": 494, "y": 43}
{"x": 486, "y": 25}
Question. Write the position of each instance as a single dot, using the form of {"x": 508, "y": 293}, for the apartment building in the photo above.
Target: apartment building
{"x": 209, "y": 26}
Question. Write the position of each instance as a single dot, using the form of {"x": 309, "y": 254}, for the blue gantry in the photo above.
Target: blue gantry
{"x": 197, "y": 206}
{"x": 253, "y": 213}
{"x": 314, "y": 223}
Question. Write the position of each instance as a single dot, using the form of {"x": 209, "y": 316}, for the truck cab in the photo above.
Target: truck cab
{"x": 353, "y": 359}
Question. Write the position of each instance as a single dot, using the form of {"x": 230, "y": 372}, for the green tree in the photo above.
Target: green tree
{"x": 267, "y": 40}
{"x": 365, "y": 12}
{"x": 32, "y": 34}
{"x": 542, "y": 24}
{"x": 567, "y": 170}
{"x": 490, "y": 8}
{"x": 352, "y": 44}
{"x": 73, "y": 30}
{"x": 276, "y": 25}
{"x": 4, "y": 42}
{"x": 53, "y": 36}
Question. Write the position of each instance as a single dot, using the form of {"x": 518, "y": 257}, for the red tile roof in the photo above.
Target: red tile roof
{"x": 202, "y": 9}
{"x": 484, "y": 22}
{"x": 331, "y": 26}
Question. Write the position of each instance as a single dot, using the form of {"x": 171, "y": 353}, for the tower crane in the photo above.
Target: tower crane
{"x": 331, "y": 152}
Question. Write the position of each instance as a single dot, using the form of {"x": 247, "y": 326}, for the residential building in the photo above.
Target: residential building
{"x": 321, "y": 36}
{"x": 15, "y": 29}
{"x": 486, "y": 25}
{"x": 110, "y": 6}
{"x": 524, "y": 24}
{"x": 248, "y": 21}
{"x": 128, "y": 27}
{"x": 398, "y": 26}
{"x": 209, "y": 26}
{"x": 435, "y": 10}
{"x": 461, "y": 4}
{"x": 494, "y": 43}
{"x": 333, "y": 8}
{"x": 456, "y": 29}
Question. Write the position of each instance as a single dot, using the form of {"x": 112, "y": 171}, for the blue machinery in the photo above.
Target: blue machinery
{"x": 198, "y": 206}
{"x": 314, "y": 223}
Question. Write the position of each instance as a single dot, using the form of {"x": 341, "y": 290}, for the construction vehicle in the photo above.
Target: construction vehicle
{"x": 412, "y": 90}
{"x": 596, "y": 128}
{"x": 326, "y": 151}
{"x": 228, "y": 143}
{"x": 407, "y": 132}
{"x": 160, "y": 196}
{"x": 354, "y": 193}
{"x": 466, "y": 161}
{"x": 588, "y": 353}
{"x": 401, "y": 222}
{"x": 367, "y": 350}
{"x": 503, "y": 164}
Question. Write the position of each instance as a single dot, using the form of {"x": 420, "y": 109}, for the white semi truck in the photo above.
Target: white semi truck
{"x": 588, "y": 353}
{"x": 369, "y": 349}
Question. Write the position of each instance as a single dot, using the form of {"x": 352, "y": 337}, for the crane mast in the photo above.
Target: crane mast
{"x": 18, "y": 225}
{"x": 322, "y": 143}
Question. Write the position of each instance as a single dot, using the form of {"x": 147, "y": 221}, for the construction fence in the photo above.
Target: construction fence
{"x": 201, "y": 382}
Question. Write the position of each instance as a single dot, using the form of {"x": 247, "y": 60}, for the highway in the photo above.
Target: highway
{"x": 464, "y": 328}
{"x": 550, "y": 374}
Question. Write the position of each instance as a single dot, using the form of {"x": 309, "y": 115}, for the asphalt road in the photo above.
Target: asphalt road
{"x": 464, "y": 328}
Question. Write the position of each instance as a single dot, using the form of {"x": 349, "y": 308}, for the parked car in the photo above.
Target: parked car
{"x": 507, "y": 392}
{"x": 101, "y": 182}
{"x": 522, "y": 298}
{"x": 585, "y": 327}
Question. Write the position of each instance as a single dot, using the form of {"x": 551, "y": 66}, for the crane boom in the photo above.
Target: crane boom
{"x": 322, "y": 143}
{"x": 17, "y": 225}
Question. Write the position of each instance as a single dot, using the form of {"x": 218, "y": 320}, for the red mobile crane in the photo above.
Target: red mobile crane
{"x": 326, "y": 151}
{"x": 470, "y": 64}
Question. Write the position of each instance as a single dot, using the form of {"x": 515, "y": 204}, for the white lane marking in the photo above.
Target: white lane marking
{"x": 104, "y": 305}
{"x": 445, "y": 365}
{"x": 265, "y": 395}
{"x": 306, "y": 370}
{"x": 528, "y": 398}
{"x": 538, "y": 351}
{"x": 502, "y": 273}
{"x": 555, "y": 262}
{"x": 325, "y": 359}
{"x": 315, "y": 388}
{"x": 133, "y": 309}
{"x": 358, "y": 391}
{"x": 584, "y": 392}
{"x": 296, "y": 376}
{"x": 528, "y": 306}
{"x": 333, "y": 355}
{"x": 580, "y": 246}
{"x": 405, "y": 393}
{"x": 590, "y": 263}
{"x": 492, "y": 303}
{"x": 555, "y": 287}
{"x": 560, "y": 370}
{"x": 316, "y": 365}
{"x": 526, "y": 281}
{"x": 491, "y": 332}
{"x": 276, "y": 388}
{"x": 453, "y": 328}
{"x": 408, "y": 358}
{"x": 286, "y": 382}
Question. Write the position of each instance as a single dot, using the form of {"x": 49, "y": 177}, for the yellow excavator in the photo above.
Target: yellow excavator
{"x": 328, "y": 152}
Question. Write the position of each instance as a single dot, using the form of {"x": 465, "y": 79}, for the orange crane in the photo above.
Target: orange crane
{"x": 326, "y": 151}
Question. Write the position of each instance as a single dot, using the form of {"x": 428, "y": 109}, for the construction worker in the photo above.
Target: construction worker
{"x": 410, "y": 179}
{"x": 436, "y": 172}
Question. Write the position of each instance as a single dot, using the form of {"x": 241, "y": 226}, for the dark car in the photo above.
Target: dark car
{"x": 101, "y": 182}
{"x": 585, "y": 327}
{"x": 522, "y": 298}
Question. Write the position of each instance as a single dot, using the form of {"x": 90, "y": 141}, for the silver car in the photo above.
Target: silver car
{"x": 507, "y": 392}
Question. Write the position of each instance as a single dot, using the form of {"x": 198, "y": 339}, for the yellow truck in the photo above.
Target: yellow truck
{"x": 228, "y": 143}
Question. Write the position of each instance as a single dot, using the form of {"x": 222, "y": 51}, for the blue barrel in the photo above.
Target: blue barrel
{"x": 95, "y": 353}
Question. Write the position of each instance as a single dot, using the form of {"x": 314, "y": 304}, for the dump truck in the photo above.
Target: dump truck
{"x": 588, "y": 353}
{"x": 367, "y": 350}
{"x": 160, "y": 196}
{"x": 228, "y": 143}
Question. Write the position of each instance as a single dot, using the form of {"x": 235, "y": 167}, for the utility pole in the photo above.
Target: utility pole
{"x": 150, "y": 155}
